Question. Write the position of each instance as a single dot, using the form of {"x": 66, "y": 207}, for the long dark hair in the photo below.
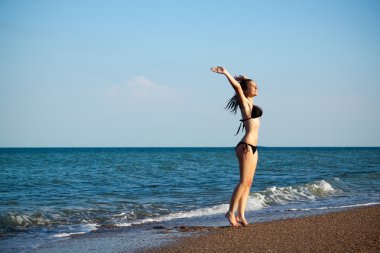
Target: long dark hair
{"x": 233, "y": 103}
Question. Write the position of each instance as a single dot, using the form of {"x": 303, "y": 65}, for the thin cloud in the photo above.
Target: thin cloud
{"x": 141, "y": 92}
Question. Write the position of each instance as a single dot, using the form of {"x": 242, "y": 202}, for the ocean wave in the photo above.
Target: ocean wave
{"x": 186, "y": 214}
{"x": 18, "y": 221}
{"x": 257, "y": 200}
{"x": 283, "y": 195}
{"x": 80, "y": 220}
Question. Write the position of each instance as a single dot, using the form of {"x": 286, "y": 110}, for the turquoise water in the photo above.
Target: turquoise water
{"x": 58, "y": 192}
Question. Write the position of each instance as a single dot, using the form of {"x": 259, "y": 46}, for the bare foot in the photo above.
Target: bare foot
{"x": 231, "y": 218}
{"x": 241, "y": 220}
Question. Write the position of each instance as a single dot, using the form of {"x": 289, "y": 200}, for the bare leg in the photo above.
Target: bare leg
{"x": 247, "y": 165}
{"x": 244, "y": 198}
{"x": 236, "y": 195}
{"x": 231, "y": 218}
{"x": 241, "y": 208}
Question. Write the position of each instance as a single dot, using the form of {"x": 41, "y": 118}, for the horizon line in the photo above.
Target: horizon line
{"x": 31, "y": 147}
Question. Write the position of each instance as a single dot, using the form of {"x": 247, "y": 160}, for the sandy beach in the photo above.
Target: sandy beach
{"x": 355, "y": 230}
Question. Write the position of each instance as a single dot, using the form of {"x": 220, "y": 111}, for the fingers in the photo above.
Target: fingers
{"x": 216, "y": 69}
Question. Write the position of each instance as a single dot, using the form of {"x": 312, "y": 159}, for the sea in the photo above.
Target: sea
{"x": 49, "y": 196}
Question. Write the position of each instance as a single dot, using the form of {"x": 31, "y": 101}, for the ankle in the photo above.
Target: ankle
{"x": 241, "y": 216}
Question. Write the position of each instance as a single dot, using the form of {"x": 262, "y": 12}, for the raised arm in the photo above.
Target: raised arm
{"x": 234, "y": 83}
{"x": 221, "y": 70}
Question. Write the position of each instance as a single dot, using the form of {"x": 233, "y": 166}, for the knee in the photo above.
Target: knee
{"x": 246, "y": 183}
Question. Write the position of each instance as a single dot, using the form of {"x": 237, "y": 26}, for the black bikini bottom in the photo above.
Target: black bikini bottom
{"x": 254, "y": 148}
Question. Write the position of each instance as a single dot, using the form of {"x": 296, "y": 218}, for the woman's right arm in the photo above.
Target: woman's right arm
{"x": 235, "y": 84}
{"x": 221, "y": 70}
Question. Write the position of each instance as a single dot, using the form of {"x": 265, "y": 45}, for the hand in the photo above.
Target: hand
{"x": 219, "y": 70}
{"x": 240, "y": 78}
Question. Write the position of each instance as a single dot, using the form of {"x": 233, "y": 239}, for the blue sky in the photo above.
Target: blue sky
{"x": 136, "y": 73}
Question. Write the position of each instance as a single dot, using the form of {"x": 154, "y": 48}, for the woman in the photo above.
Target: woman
{"x": 246, "y": 149}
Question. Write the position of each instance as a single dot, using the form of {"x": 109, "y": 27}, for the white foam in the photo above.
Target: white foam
{"x": 365, "y": 204}
{"x": 258, "y": 200}
{"x": 194, "y": 213}
{"x": 61, "y": 235}
{"x": 83, "y": 229}
{"x": 334, "y": 207}
{"x": 282, "y": 195}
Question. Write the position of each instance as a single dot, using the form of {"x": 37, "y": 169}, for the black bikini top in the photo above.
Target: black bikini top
{"x": 256, "y": 112}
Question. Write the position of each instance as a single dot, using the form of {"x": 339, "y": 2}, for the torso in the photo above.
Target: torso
{"x": 251, "y": 126}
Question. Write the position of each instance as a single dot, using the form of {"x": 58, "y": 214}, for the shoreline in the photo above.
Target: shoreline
{"x": 354, "y": 230}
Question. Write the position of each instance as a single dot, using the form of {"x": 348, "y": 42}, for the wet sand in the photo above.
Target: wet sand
{"x": 354, "y": 230}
